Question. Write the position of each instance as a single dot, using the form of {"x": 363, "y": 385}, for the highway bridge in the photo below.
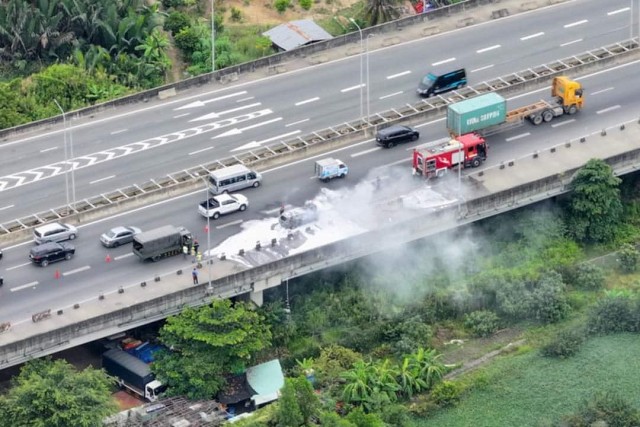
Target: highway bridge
{"x": 136, "y": 146}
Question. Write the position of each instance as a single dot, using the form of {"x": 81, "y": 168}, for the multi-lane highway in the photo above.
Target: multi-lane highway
{"x": 134, "y": 145}
{"x": 157, "y": 141}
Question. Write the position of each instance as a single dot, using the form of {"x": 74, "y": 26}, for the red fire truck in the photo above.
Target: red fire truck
{"x": 433, "y": 160}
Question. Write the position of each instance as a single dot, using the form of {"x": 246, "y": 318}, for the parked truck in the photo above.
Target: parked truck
{"x": 329, "y": 168}
{"x": 470, "y": 121}
{"x": 161, "y": 242}
{"x": 132, "y": 373}
{"x": 223, "y": 204}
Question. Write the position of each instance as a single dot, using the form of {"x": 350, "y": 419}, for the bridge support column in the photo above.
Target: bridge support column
{"x": 257, "y": 297}
{"x": 258, "y": 287}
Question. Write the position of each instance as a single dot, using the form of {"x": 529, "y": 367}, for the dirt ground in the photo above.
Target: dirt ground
{"x": 263, "y": 12}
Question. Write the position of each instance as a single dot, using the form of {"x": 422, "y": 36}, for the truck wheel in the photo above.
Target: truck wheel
{"x": 547, "y": 116}
{"x": 536, "y": 120}
{"x": 475, "y": 162}
{"x": 256, "y": 184}
{"x": 216, "y": 215}
{"x": 243, "y": 208}
{"x": 573, "y": 109}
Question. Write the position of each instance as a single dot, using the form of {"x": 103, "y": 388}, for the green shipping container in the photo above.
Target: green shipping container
{"x": 476, "y": 113}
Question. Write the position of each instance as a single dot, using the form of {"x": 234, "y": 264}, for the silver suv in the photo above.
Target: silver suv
{"x": 54, "y": 232}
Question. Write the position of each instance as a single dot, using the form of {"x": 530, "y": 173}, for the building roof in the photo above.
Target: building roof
{"x": 293, "y": 34}
{"x": 266, "y": 379}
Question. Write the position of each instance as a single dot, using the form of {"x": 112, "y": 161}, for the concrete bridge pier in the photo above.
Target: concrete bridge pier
{"x": 256, "y": 295}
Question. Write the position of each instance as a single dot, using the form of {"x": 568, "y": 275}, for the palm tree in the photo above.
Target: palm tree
{"x": 358, "y": 388}
{"x": 428, "y": 366}
{"x": 380, "y": 11}
{"x": 408, "y": 379}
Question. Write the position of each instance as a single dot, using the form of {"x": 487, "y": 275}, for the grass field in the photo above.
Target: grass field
{"x": 528, "y": 389}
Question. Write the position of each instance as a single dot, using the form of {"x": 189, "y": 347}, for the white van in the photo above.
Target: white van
{"x": 233, "y": 178}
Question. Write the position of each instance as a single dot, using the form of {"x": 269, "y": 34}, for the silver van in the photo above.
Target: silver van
{"x": 54, "y": 232}
{"x": 233, "y": 178}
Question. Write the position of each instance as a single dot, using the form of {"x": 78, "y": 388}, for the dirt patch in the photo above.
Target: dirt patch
{"x": 464, "y": 351}
{"x": 262, "y": 11}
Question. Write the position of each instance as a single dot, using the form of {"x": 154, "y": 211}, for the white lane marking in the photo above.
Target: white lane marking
{"x": 614, "y": 12}
{"x": 238, "y": 131}
{"x": 21, "y": 287}
{"x": 254, "y": 144}
{"x": 513, "y": 138}
{"x": 602, "y": 91}
{"x": 19, "y": 265}
{"x": 571, "y": 42}
{"x": 119, "y": 257}
{"x": 393, "y": 76}
{"x": 215, "y": 115}
{"x": 48, "y": 149}
{"x": 101, "y": 179}
{"x": 245, "y": 99}
{"x": 390, "y": 95}
{"x": 347, "y": 89}
{"x": 238, "y": 221}
{"x": 181, "y": 115}
{"x": 531, "y": 36}
{"x": 200, "y": 151}
{"x": 362, "y": 153}
{"x": 203, "y": 103}
{"x": 606, "y": 110}
{"x": 306, "y": 101}
{"x": 444, "y": 61}
{"x": 296, "y": 123}
{"x": 6, "y": 207}
{"x": 555, "y": 125}
{"x": 486, "y": 67}
{"x": 573, "y": 24}
{"x": 487, "y": 49}
{"x": 77, "y": 270}
{"x": 115, "y": 132}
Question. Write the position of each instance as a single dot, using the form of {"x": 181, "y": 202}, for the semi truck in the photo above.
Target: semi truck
{"x": 470, "y": 121}
{"x": 132, "y": 373}
{"x": 161, "y": 242}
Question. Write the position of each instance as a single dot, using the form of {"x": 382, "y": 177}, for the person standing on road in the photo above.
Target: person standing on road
{"x": 194, "y": 274}
{"x": 185, "y": 251}
{"x": 196, "y": 245}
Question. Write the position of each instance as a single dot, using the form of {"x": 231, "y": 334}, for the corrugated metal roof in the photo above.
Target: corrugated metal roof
{"x": 292, "y": 34}
{"x": 477, "y": 102}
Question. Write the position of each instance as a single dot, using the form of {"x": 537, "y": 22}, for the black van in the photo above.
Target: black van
{"x": 433, "y": 85}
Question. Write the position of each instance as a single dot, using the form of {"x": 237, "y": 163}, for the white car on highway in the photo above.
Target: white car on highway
{"x": 223, "y": 204}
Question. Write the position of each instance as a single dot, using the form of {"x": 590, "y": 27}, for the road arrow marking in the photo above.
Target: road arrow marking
{"x": 203, "y": 103}
{"x": 254, "y": 144}
{"x": 217, "y": 115}
{"x": 236, "y": 131}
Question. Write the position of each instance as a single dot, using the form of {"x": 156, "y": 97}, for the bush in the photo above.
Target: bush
{"x": 588, "y": 277}
{"x": 548, "y": 302}
{"x": 281, "y": 5}
{"x": 482, "y": 323}
{"x": 236, "y": 14}
{"x": 446, "y": 393}
{"x": 604, "y": 409}
{"x": 612, "y": 314}
{"x": 176, "y": 21}
{"x": 628, "y": 258}
{"x": 396, "y": 415}
{"x": 565, "y": 344}
{"x": 187, "y": 40}
{"x": 305, "y": 4}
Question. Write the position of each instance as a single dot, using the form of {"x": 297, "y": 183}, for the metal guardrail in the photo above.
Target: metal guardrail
{"x": 254, "y": 158}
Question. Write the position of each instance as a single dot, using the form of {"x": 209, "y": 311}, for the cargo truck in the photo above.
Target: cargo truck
{"x": 161, "y": 242}
{"x": 132, "y": 373}
{"x": 326, "y": 169}
{"x": 471, "y": 120}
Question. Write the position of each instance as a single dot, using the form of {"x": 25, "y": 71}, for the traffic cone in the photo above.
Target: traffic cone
{"x": 206, "y": 228}
{"x": 107, "y": 259}
{"x": 57, "y": 274}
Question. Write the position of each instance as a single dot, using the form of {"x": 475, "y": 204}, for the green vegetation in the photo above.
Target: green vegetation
{"x": 528, "y": 390}
{"x": 51, "y": 393}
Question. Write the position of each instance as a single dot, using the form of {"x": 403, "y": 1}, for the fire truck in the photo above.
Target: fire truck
{"x": 433, "y": 160}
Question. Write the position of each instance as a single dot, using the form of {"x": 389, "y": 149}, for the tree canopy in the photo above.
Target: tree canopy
{"x": 54, "y": 394}
{"x": 207, "y": 343}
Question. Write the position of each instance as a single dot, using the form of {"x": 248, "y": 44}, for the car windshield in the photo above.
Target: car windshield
{"x": 429, "y": 79}
{"x": 110, "y": 234}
